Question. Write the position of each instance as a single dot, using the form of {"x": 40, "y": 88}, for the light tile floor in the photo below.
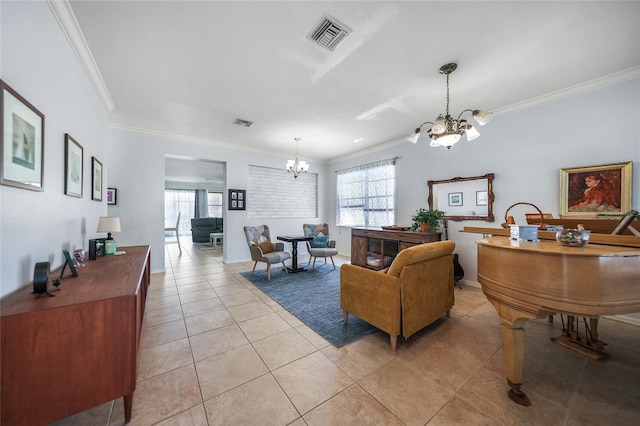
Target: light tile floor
{"x": 217, "y": 351}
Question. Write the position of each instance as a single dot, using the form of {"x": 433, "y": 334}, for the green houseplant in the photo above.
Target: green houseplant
{"x": 426, "y": 219}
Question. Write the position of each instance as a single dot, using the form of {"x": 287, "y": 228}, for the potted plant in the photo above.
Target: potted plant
{"x": 426, "y": 219}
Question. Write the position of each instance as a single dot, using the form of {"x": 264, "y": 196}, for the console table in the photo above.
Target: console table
{"x": 376, "y": 248}
{"x": 65, "y": 354}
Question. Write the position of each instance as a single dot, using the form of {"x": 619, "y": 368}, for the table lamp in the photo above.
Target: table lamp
{"x": 109, "y": 225}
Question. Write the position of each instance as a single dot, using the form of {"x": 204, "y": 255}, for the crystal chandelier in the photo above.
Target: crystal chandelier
{"x": 296, "y": 166}
{"x": 446, "y": 130}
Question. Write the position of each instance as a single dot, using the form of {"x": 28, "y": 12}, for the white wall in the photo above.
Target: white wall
{"x": 526, "y": 151}
{"x": 38, "y": 63}
{"x": 137, "y": 161}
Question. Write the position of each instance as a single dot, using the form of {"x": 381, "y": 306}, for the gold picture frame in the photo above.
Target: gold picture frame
{"x": 602, "y": 189}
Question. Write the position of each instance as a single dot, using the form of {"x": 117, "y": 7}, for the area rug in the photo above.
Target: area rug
{"x": 314, "y": 298}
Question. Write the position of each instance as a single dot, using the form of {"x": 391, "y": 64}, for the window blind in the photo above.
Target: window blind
{"x": 366, "y": 195}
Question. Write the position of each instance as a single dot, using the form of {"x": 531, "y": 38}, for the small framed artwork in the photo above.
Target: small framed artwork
{"x": 73, "y": 167}
{"x": 237, "y": 199}
{"x": 22, "y": 153}
{"x": 96, "y": 179}
{"x": 455, "y": 198}
{"x": 604, "y": 188}
{"x": 481, "y": 198}
{"x": 112, "y": 194}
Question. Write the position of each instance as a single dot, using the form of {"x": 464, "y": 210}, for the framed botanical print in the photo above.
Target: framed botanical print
{"x": 73, "y": 167}
{"x": 22, "y": 152}
{"x": 96, "y": 179}
{"x": 603, "y": 188}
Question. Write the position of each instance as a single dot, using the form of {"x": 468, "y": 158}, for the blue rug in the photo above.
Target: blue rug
{"x": 314, "y": 298}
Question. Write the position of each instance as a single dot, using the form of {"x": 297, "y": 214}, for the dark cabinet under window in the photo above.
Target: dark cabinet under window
{"x": 376, "y": 248}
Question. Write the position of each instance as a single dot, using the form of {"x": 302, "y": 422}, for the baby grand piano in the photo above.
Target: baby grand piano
{"x": 526, "y": 280}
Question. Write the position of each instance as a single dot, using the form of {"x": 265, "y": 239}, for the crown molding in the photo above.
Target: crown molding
{"x": 575, "y": 90}
{"x": 62, "y": 11}
{"x": 571, "y": 91}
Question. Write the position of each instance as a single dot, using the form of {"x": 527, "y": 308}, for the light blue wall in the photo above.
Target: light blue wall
{"x": 39, "y": 64}
{"x": 525, "y": 150}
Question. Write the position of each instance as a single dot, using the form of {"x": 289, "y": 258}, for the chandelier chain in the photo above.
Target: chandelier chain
{"x": 447, "y": 95}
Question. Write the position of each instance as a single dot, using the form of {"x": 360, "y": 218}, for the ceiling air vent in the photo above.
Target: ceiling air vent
{"x": 243, "y": 123}
{"x": 329, "y": 33}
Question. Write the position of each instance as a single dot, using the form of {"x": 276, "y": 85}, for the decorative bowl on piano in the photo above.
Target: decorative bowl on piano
{"x": 573, "y": 237}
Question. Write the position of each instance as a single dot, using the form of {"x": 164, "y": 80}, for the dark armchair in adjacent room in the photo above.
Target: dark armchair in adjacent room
{"x": 415, "y": 291}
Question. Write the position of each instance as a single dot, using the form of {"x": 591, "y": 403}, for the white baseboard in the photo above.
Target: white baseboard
{"x": 625, "y": 319}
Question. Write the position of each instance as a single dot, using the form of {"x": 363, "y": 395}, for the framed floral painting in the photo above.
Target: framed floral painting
{"x": 604, "y": 188}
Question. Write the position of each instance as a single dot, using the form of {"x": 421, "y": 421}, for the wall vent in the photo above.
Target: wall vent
{"x": 329, "y": 33}
{"x": 243, "y": 123}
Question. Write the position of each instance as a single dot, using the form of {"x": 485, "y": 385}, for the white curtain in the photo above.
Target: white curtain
{"x": 179, "y": 200}
{"x": 366, "y": 195}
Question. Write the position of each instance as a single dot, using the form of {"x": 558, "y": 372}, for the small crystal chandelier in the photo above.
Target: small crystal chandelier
{"x": 296, "y": 166}
{"x": 446, "y": 130}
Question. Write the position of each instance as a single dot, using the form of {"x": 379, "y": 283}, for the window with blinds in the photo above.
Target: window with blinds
{"x": 366, "y": 195}
{"x": 274, "y": 193}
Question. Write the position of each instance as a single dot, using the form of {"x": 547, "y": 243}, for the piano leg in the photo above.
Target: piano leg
{"x": 513, "y": 337}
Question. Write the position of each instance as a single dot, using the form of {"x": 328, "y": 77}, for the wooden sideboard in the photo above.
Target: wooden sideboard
{"x": 65, "y": 354}
{"x": 376, "y": 248}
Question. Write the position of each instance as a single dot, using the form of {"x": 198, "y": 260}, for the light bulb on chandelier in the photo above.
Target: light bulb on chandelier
{"x": 446, "y": 130}
{"x": 297, "y": 167}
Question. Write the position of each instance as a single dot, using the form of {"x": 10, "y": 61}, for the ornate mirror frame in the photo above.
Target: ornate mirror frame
{"x": 490, "y": 196}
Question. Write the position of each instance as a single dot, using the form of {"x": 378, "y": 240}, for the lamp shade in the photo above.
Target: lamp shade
{"x": 108, "y": 224}
{"x": 439, "y": 126}
{"x": 472, "y": 133}
{"x": 448, "y": 139}
{"x": 414, "y": 137}
{"x": 482, "y": 117}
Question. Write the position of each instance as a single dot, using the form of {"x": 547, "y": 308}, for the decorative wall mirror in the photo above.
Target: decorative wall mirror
{"x": 463, "y": 198}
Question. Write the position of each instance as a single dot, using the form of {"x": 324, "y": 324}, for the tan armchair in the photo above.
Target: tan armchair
{"x": 412, "y": 293}
{"x": 263, "y": 250}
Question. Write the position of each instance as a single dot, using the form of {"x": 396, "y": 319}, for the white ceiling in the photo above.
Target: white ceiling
{"x": 191, "y": 68}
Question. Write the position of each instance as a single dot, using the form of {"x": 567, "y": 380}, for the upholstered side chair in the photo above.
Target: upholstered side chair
{"x": 320, "y": 245}
{"x": 263, "y": 250}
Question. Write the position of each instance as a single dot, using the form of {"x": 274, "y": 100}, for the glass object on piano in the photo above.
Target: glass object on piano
{"x": 573, "y": 237}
